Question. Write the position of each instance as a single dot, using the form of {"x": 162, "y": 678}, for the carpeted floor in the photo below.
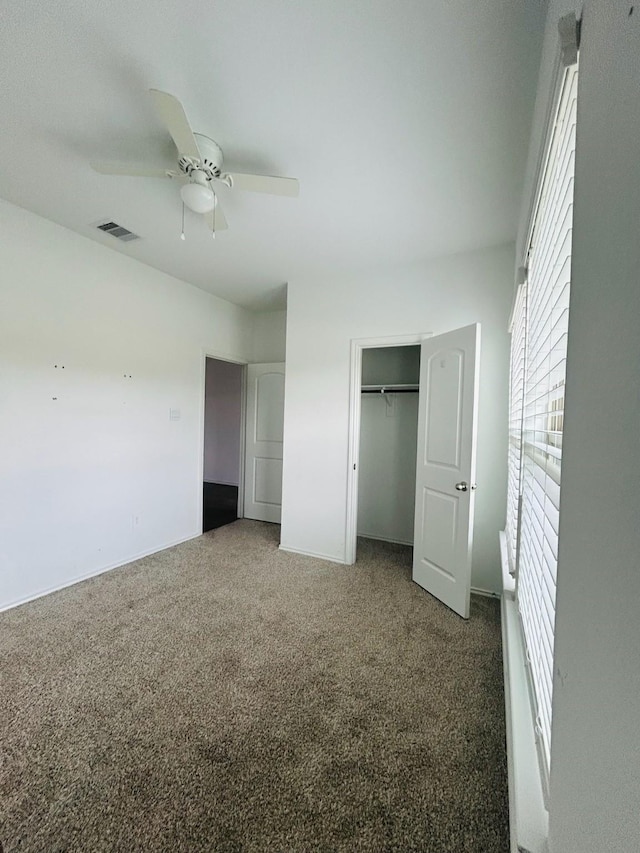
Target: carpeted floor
{"x": 226, "y": 696}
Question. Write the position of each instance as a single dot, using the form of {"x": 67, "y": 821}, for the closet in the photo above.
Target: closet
{"x": 388, "y": 443}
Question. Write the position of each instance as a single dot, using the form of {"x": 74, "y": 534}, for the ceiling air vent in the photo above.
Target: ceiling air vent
{"x": 118, "y": 231}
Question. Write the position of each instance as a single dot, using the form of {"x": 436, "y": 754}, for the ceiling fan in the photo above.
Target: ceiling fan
{"x": 199, "y": 166}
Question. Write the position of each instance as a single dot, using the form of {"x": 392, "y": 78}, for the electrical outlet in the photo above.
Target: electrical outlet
{"x": 136, "y": 520}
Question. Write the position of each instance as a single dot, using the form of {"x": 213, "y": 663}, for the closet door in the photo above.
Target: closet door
{"x": 445, "y": 470}
{"x": 263, "y": 461}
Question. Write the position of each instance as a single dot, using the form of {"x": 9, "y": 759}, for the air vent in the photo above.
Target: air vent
{"x": 118, "y": 231}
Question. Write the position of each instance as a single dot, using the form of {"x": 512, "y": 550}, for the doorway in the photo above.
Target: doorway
{"x": 444, "y": 454}
{"x": 223, "y": 427}
{"x": 264, "y": 442}
{"x": 390, "y": 380}
{"x": 386, "y": 367}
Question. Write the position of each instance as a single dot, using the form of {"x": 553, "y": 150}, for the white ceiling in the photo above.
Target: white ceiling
{"x": 406, "y": 122}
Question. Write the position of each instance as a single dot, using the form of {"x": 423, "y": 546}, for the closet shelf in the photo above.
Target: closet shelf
{"x": 389, "y": 389}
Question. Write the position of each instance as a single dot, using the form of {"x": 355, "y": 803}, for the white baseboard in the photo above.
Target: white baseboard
{"x": 377, "y": 538}
{"x": 487, "y": 593}
{"x": 311, "y": 554}
{"x": 96, "y": 572}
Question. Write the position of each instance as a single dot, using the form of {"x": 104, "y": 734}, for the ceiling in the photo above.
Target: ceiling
{"x": 406, "y": 122}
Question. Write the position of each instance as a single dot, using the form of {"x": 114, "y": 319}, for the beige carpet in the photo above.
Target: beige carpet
{"x": 226, "y": 696}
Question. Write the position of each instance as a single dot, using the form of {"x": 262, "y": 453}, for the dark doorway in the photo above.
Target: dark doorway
{"x": 219, "y": 505}
{"x": 222, "y": 442}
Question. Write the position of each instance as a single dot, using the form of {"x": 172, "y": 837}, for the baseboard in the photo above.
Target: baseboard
{"x": 97, "y": 572}
{"x": 385, "y": 539}
{"x": 487, "y": 593}
{"x": 311, "y": 554}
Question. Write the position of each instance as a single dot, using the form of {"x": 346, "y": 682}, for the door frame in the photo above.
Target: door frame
{"x": 353, "y": 461}
{"x": 205, "y": 354}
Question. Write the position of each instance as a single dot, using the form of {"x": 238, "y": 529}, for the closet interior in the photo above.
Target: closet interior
{"x": 388, "y": 443}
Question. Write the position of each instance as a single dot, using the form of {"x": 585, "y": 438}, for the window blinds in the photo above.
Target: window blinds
{"x": 516, "y": 401}
{"x": 538, "y": 382}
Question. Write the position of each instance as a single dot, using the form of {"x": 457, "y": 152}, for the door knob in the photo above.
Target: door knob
{"x": 462, "y": 487}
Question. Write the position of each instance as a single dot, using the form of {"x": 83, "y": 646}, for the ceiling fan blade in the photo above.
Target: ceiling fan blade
{"x": 174, "y": 117}
{"x": 132, "y": 171}
{"x": 265, "y": 184}
{"x": 217, "y": 218}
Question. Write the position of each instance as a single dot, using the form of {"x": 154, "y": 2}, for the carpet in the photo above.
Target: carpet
{"x": 224, "y": 695}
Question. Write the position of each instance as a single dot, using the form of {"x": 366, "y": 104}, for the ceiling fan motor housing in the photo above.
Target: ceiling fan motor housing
{"x": 211, "y": 163}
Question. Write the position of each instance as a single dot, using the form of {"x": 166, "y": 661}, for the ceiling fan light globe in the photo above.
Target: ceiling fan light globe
{"x": 198, "y": 198}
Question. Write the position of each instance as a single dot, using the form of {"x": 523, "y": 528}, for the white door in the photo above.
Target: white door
{"x": 263, "y": 461}
{"x": 445, "y": 468}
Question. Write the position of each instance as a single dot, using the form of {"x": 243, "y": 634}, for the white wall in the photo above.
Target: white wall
{"x": 322, "y": 319}
{"x": 269, "y": 337}
{"x": 391, "y": 365}
{"x": 595, "y": 749}
{"x": 99, "y": 474}
{"x": 387, "y": 466}
{"x": 222, "y": 422}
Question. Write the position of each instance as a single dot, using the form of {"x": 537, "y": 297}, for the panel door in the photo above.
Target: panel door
{"x": 445, "y": 470}
{"x": 263, "y": 460}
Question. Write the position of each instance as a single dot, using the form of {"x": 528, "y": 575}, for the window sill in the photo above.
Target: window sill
{"x": 528, "y": 817}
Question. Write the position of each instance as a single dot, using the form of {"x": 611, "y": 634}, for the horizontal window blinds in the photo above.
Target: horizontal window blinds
{"x": 547, "y": 312}
{"x": 516, "y": 405}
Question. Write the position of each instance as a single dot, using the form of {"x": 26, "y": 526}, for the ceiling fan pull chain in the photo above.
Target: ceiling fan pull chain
{"x": 182, "y": 237}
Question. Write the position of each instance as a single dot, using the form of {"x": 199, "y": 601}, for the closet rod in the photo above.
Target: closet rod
{"x": 390, "y": 389}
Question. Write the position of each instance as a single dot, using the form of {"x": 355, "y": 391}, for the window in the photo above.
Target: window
{"x": 536, "y": 411}
{"x": 518, "y": 329}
